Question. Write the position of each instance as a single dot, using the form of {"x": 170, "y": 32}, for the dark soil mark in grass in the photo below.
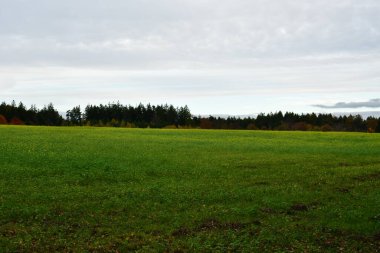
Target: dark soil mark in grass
{"x": 215, "y": 224}
{"x": 338, "y": 239}
{"x": 156, "y": 232}
{"x": 257, "y": 222}
{"x": 182, "y": 231}
{"x": 376, "y": 237}
{"x": 8, "y": 229}
{"x": 299, "y": 208}
{"x": 343, "y": 190}
{"x": 178, "y": 251}
{"x": 267, "y": 210}
{"x": 212, "y": 224}
{"x": 261, "y": 183}
{"x": 295, "y": 208}
{"x": 375, "y": 218}
{"x": 247, "y": 166}
{"x": 8, "y": 233}
{"x": 368, "y": 177}
{"x": 359, "y": 164}
{"x": 255, "y": 232}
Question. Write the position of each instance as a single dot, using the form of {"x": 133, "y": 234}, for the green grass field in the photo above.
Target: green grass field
{"x": 107, "y": 189}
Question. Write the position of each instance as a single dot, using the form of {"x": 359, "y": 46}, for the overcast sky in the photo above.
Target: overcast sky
{"x": 218, "y": 57}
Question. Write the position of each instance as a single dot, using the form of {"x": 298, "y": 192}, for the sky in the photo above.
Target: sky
{"x": 218, "y": 57}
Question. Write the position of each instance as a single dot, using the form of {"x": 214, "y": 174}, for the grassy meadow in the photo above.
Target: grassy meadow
{"x": 78, "y": 189}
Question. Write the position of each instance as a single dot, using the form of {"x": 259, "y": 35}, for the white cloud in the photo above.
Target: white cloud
{"x": 190, "y": 32}
{"x": 6, "y": 83}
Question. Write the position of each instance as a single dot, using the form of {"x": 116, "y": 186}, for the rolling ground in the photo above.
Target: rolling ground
{"x": 73, "y": 189}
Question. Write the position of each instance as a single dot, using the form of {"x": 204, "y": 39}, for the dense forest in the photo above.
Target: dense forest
{"x": 168, "y": 116}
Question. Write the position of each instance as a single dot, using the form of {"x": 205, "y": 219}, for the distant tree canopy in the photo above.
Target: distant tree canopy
{"x": 116, "y": 114}
{"x": 74, "y": 116}
{"x": 168, "y": 116}
{"x": 20, "y": 115}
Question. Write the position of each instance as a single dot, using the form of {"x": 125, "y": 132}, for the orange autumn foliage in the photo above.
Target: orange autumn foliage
{"x": 3, "y": 120}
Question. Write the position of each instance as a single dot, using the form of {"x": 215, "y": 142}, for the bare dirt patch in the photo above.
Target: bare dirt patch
{"x": 299, "y": 208}
{"x": 368, "y": 177}
{"x": 209, "y": 225}
{"x": 267, "y": 210}
{"x": 182, "y": 231}
{"x": 343, "y": 190}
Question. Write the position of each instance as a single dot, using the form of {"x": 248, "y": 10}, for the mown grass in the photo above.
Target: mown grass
{"x": 106, "y": 189}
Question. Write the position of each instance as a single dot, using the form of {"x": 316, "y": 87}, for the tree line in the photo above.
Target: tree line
{"x": 168, "y": 116}
{"x": 20, "y": 115}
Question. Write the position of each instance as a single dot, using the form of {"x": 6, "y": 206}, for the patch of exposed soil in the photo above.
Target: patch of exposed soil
{"x": 211, "y": 224}
{"x": 368, "y": 177}
{"x": 299, "y": 208}
{"x": 261, "y": 183}
{"x": 182, "y": 231}
{"x": 343, "y": 190}
{"x": 267, "y": 210}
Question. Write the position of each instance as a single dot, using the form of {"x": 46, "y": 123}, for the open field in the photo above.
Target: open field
{"x": 108, "y": 189}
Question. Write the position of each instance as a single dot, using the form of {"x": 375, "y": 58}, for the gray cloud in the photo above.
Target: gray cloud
{"x": 373, "y": 103}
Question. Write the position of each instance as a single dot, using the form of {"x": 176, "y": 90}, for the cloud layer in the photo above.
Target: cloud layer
{"x": 219, "y": 56}
{"x": 373, "y": 103}
{"x": 189, "y": 33}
